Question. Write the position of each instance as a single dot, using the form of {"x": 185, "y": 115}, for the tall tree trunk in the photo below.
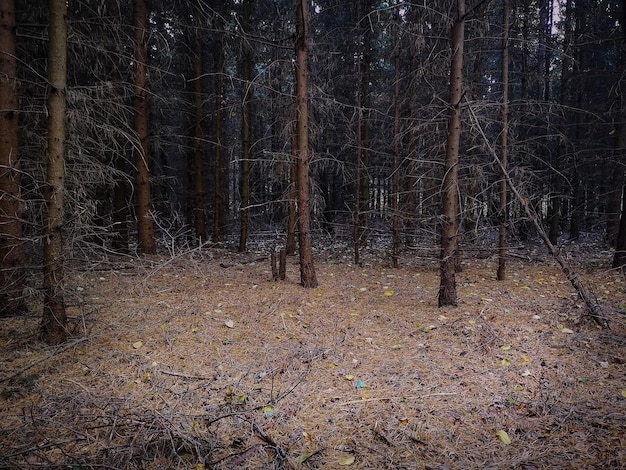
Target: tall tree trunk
{"x": 11, "y": 244}
{"x": 619, "y": 258}
{"x": 616, "y": 223}
{"x": 145, "y": 226}
{"x": 504, "y": 138}
{"x": 246, "y": 128}
{"x": 362, "y": 194}
{"x": 54, "y": 319}
{"x": 220, "y": 174}
{"x": 450, "y": 204}
{"x": 556, "y": 200}
{"x": 395, "y": 191}
{"x": 199, "y": 215}
{"x": 307, "y": 268}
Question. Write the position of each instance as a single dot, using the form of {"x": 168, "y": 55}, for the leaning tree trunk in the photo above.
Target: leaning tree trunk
{"x": 504, "y": 150}
{"x": 11, "y": 244}
{"x": 307, "y": 268}
{"x": 595, "y": 310}
{"x": 54, "y": 320}
{"x": 145, "y": 226}
{"x": 449, "y": 204}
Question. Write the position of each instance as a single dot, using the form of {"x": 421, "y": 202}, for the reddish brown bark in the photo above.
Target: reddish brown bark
{"x": 307, "y": 268}
{"x": 54, "y": 319}
{"x": 449, "y": 205}
{"x": 145, "y": 225}
{"x": 11, "y": 244}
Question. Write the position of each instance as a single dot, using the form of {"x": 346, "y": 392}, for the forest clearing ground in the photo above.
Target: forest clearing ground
{"x": 205, "y": 362}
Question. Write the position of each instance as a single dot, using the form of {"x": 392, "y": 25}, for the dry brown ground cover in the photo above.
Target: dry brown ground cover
{"x": 203, "y": 362}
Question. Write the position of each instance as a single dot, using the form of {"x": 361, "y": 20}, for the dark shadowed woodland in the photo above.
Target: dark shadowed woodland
{"x": 313, "y": 234}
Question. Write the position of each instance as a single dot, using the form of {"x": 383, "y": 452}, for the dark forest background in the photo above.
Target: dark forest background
{"x": 220, "y": 93}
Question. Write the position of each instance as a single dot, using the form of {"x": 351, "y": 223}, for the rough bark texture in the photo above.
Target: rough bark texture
{"x": 11, "y": 244}
{"x": 504, "y": 147}
{"x": 199, "y": 215}
{"x": 54, "y": 319}
{"x": 307, "y": 268}
{"x": 145, "y": 225}
{"x": 246, "y": 129}
{"x": 449, "y": 205}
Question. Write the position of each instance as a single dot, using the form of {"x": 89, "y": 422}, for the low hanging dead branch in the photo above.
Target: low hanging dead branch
{"x": 595, "y": 311}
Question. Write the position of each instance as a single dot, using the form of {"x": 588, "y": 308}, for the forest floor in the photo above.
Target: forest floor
{"x": 202, "y": 361}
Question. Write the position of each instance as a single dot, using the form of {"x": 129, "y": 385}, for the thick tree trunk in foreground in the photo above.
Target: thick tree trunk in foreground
{"x": 450, "y": 204}
{"x": 54, "y": 320}
{"x": 11, "y": 244}
{"x": 307, "y": 268}
{"x": 145, "y": 225}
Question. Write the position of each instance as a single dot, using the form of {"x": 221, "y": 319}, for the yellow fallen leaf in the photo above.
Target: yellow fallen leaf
{"x": 388, "y": 293}
{"x": 349, "y": 377}
{"x": 194, "y": 329}
{"x": 624, "y": 393}
{"x": 526, "y": 358}
{"x": 347, "y": 461}
{"x": 137, "y": 344}
{"x": 503, "y": 437}
{"x": 304, "y": 457}
{"x": 506, "y": 347}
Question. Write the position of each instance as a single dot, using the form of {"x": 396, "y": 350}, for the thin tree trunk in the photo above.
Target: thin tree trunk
{"x": 362, "y": 188}
{"x": 199, "y": 215}
{"x": 120, "y": 209}
{"x": 504, "y": 148}
{"x": 307, "y": 268}
{"x": 556, "y": 200}
{"x": 449, "y": 204}
{"x": 246, "y": 129}
{"x": 220, "y": 180}
{"x": 54, "y": 319}
{"x": 11, "y": 243}
{"x": 293, "y": 195}
{"x": 395, "y": 223}
{"x": 145, "y": 226}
